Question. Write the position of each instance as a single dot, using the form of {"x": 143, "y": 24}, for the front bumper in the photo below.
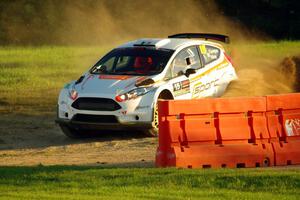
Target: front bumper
{"x": 103, "y": 126}
{"x": 135, "y": 114}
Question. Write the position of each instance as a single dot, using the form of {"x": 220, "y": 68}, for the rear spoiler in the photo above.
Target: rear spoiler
{"x": 206, "y": 36}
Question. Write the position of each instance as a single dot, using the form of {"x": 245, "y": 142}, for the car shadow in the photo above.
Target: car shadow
{"x": 31, "y": 132}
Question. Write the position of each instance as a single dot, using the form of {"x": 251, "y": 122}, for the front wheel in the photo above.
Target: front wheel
{"x": 153, "y": 132}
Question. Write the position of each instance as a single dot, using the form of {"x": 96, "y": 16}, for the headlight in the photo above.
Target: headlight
{"x": 73, "y": 94}
{"x": 132, "y": 94}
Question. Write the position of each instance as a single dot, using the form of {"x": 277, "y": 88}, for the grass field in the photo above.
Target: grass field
{"x": 59, "y": 182}
{"x": 32, "y": 77}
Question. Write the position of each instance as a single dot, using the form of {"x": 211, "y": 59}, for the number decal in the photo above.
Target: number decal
{"x": 177, "y": 86}
{"x": 182, "y": 87}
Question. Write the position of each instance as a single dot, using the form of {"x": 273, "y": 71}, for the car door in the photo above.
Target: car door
{"x": 204, "y": 81}
{"x": 178, "y": 80}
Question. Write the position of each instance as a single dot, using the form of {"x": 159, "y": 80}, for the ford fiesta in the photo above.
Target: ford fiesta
{"x": 122, "y": 89}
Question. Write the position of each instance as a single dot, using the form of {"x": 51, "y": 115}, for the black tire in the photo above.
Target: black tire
{"x": 153, "y": 132}
{"x": 73, "y": 133}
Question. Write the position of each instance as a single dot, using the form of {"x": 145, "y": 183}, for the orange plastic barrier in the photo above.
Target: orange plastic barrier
{"x": 283, "y": 115}
{"x": 214, "y": 133}
{"x": 235, "y": 132}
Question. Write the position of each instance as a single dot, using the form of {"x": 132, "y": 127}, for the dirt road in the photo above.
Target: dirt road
{"x": 34, "y": 140}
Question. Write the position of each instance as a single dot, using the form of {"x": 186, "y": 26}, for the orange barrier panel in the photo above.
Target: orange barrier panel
{"x": 283, "y": 115}
{"x": 229, "y": 132}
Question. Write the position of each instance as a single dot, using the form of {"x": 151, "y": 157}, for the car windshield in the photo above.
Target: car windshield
{"x": 133, "y": 61}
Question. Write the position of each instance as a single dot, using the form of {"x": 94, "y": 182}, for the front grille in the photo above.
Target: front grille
{"x": 97, "y": 104}
{"x": 95, "y": 118}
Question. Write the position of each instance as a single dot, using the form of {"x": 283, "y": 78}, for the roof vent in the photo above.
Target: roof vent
{"x": 144, "y": 43}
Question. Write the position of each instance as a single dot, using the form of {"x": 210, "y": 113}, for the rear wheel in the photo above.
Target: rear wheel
{"x": 73, "y": 133}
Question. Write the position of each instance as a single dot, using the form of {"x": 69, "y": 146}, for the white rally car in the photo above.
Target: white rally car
{"x": 121, "y": 90}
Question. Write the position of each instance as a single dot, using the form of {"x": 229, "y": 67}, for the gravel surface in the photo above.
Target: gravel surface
{"x": 33, "y": 140}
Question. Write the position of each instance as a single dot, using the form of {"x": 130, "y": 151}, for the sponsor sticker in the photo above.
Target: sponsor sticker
{"x": 203, "y": 49}
{"x": 182, "y": 87}
{"x": 201, "y": 87}
{"x": 123, "y": 112}
{"x": 138, "y": 80}
{"x": 114, "y": 77}
{"x": 292, "y": 127}
{"x": 142, "y": 107}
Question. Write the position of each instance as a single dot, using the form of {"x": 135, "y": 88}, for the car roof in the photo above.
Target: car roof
{"x": 167, "y": 43}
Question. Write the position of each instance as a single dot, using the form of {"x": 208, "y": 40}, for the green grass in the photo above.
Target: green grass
{"x": 57, "y": 182}
{"x": 267, "y": 50}
{"x": 31, "y": 77}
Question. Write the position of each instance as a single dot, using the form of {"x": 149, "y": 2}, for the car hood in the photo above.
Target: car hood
{"x": 107, "y": 85}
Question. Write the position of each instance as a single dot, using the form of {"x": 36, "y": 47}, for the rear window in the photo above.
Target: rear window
{"x": 209, "y": 53}
{"x": 133, "y": 61}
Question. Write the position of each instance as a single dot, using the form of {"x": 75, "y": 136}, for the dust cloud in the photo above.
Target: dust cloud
{"x": 106, "y": 21}
{"x": 258, "y": 77}
{"x": 113, "y": 22}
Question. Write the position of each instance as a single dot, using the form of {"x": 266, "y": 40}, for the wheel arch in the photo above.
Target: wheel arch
{"x": 165, "y": 94}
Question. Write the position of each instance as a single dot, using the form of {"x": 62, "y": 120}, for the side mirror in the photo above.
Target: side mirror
{"x": 190, "y": 71}
{"x": 180, "y": 73}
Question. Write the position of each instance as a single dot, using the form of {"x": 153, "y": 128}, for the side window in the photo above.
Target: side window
{"x": 187, "y": 58}
{"x": 209, "y": 53}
